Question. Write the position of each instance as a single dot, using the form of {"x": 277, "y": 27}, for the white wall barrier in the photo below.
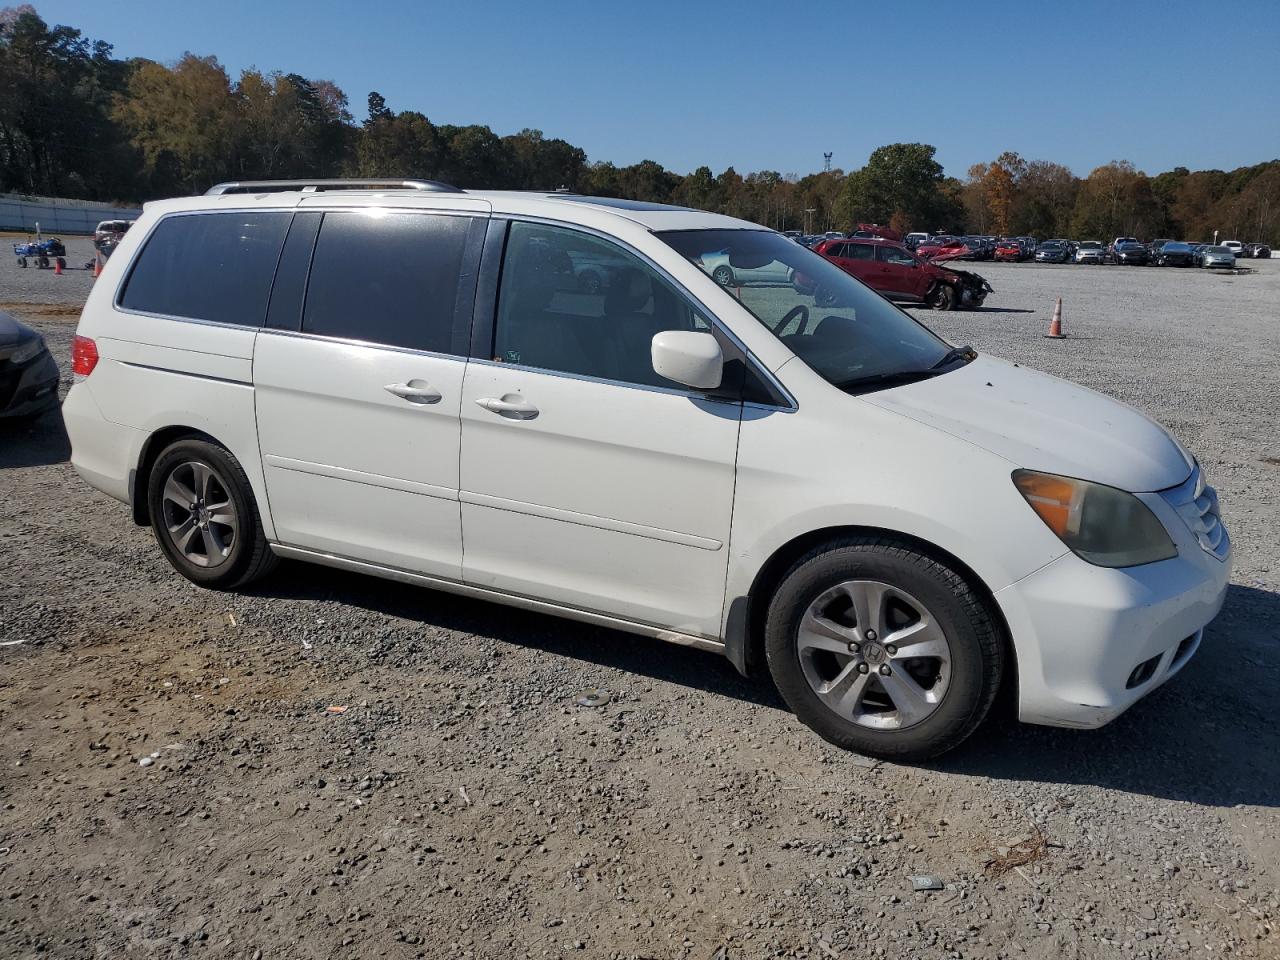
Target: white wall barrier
{"x": 57, "y": 216}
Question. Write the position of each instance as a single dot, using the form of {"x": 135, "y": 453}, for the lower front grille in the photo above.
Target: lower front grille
{"x": 1143, "y": 672}
{"x": 1184, "y": 650}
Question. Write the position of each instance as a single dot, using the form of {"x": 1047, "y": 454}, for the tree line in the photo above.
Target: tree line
{"x": 77, "y": 122}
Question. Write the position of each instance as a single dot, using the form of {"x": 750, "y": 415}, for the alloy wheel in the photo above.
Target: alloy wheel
{"x": 199, "y": 516}
{"x": 874, "y": 654}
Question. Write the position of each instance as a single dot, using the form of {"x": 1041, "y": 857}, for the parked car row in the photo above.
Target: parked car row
{"x": 1121, "y": 250}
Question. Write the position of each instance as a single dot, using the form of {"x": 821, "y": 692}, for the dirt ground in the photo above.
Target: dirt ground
{"x": 336, "y": 766}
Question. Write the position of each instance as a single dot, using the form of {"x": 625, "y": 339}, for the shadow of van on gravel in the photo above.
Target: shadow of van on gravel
{"x": 1209, "y": 736}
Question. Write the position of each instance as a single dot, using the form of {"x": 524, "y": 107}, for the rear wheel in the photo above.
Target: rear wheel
{"x": 722, "y": 275}
{"x": 205, "y": 517}
{"x": 883, "y": 650}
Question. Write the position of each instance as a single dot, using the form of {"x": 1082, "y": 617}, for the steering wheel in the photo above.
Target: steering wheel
{"x": 798, "y": 310}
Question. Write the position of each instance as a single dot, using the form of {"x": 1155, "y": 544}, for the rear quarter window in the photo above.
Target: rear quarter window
{"x": 215, "y": 267}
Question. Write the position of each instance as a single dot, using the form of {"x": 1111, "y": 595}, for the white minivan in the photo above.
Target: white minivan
{"x": 414, "y": 381}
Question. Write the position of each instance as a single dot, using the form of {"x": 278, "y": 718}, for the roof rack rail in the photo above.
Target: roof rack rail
{"x": 316, "y": 186}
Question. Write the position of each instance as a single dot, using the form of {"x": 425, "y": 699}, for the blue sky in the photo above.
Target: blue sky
{"x": 772, "y": 85}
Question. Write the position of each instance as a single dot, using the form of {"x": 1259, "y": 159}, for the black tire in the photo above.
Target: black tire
{"x": 975, "y": 645}
{"x": 22, "y": 262}
{"x": 722, "y": 275}
{"x": 248, "y": 556}
{"x": 942, "y": 297}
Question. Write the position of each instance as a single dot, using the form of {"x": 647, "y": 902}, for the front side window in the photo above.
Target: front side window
{"x": 388, "y": 278}
{"x": 846, "y": 332}
{"x": 570, "y": 302}
{"x": 215, "y": 267}
{"x": 895, "y": 256}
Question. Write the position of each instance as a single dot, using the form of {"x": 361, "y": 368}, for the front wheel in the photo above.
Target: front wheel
{"x": 722, "y": 275}
{"x": 204, "y": 516}
{"x": 942, "y": 297}
{"x": 881, "y": 649}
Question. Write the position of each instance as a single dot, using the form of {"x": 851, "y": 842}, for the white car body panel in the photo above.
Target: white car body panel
{"x": 614, "y": 498}
{"x": 351, "y": 468}
{"x": 1039, "y": 422}
{"x": 653, "y": 510}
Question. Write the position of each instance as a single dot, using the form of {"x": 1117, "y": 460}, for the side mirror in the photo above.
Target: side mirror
{"x": 688, "y": 357}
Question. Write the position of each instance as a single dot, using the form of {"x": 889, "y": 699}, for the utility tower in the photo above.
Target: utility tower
{"x": 826, "y": 163}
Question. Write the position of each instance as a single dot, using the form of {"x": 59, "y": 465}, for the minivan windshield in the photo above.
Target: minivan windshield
{"x": 848, "y": 334}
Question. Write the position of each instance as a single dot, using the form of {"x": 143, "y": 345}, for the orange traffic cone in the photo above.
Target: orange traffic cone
{"x": 1055, "y": 325}
{"x": 57, "y": 266}
{"x": 97, "y": 267}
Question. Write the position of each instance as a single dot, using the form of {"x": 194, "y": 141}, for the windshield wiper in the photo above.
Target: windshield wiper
{"x": 965, "y": 353}
{"x": 879, "y": 381}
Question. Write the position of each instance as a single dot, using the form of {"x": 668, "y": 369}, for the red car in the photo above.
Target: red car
{"x": 1009, "y": 251}
{"x": 944, "y": 248}
{"x": 896, "y": 273}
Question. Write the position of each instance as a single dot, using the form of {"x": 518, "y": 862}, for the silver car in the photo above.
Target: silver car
{"x": 739, "y": 274}
{"x": 1217, "y": 257}
{"x": 1090, "y": 251}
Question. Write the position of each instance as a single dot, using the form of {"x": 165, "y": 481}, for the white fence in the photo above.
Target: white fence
{"x": 57, "y": 216}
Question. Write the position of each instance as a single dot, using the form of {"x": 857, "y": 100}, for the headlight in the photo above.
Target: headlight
{"x": 30, "y": 349}
{"x": 1103, "y": 525}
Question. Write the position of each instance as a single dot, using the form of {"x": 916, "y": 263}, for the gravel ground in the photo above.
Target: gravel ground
{"x": 173, "y": 783}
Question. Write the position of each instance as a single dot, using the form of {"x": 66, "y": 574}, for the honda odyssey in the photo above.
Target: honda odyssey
{"x": 411, "y": 381}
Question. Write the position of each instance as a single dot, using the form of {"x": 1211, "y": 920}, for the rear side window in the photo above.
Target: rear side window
{"x": 861, "y": 251}
{"x": 215, "y": 267}
{"x": 389, "y": 278}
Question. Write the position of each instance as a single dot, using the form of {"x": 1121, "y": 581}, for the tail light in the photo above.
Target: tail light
{"x": 84, "y": 356}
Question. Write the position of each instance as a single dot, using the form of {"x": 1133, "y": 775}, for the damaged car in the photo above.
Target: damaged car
{"x": 897, "y": 274}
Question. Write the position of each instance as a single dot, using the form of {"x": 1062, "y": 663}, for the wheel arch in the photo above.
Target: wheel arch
{"x": 154, "y": 445}
{"x": 744, "y": 639}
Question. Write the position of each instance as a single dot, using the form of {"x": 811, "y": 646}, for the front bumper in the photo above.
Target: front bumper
{"x": 29, "y": 389}
{"x": 1082, "y": 632}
